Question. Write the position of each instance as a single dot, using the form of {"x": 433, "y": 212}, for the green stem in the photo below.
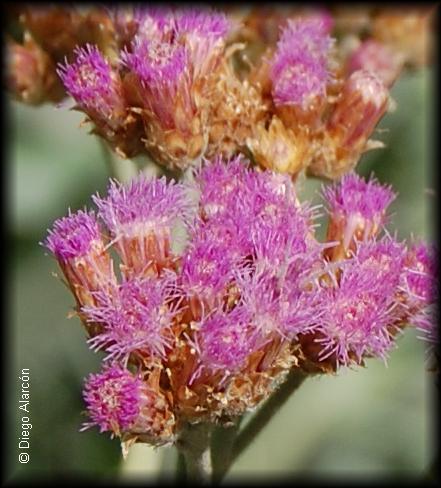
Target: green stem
{"x": 194, "y": 445}
{"x": 265, "y": 413}
{"x": 223, "y": 439}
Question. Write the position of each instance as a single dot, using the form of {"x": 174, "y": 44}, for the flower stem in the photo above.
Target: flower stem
{"x": 223, "y": 439}
{"x": 261, "y": 418}
{"x": 194, "y": 445}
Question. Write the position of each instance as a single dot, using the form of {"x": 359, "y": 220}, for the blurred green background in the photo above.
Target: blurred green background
{"x": 372, "y": 422}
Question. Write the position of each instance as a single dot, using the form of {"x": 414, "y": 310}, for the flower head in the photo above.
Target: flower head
{"x": 157, "y": 63}
{"x": 206, "y": 269}
{"x": 91, "y": 81}
{"x": 113, "y": 399}
{"x": 137, "y": 320}
{"x": 355, "y": 321}
{"x": 226, "y": 340}
{"x": 381, "y": 261}
{"x": 142, "y": 204}
{"x": 354, "y": 195}
{"x": 219, "y": 184}
{"x": 357, "y": 209}
{"x": 299, "y": 70}
{"x": 73, "y": 236}
{"x": 378, "y": 58}
{"x": 202, "y": 23}
{"x": 140, "y": 217}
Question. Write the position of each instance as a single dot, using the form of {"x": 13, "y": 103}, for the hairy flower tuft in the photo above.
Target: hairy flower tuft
{"x": 73, "y": 236}
{"x": 91, "y": 81}
{"x": 299, "y": 70}
{"x": 357, "y": 209}
{"x": 113, "y": 399}
{"x": 137, "y": 320}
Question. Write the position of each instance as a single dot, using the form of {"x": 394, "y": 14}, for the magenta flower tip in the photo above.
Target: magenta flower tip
{"x": 354, "y": 195}
{"x": 72, "y": 236}
{"x": 207, "y": 267}
{"x": 299, "y": 69}
{"x": 226, "y": 340}
{"x": 89, "y": 79}
{"x": 421, "y": 274}
{"x": 112, "y": 398}
{"x": 202, "y": 22}
{"x": 137, "y": 319}
{"x": 156, "y": 62}
{"x": 151, "y": 203}
{"x": 360, "y": 310}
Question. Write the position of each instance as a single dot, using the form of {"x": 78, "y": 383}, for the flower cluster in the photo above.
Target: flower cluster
{"x": 324, "y": 112}
{"x": 206, "y": 330}
{"x": 177, "y": 84}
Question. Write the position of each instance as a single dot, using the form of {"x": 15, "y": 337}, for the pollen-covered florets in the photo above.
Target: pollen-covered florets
{"x": 73, "y": 236}
{"x": 137, "y": 320}
{"x": 354, "y": 195}
{"x": 226, "y": 340}
{"x": 215, "y": 325}
{"x": 154, "y": 22}
{"x": 384, "y": 258}
{"x": 356, "y": 318}
{"x": 91, "y": 81}
{"x": 145, "y": 203}
{"x": 158, "y": 64}
{"x": 113, "y": 399}
{"x": 357, "y": 211}
{"x": 219, "y": 184}
{"x": 299, "y": 71}
{"x": 206, "y": 269}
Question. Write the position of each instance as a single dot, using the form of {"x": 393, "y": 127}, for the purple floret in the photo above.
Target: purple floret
{"x": 299, "y": 70}
{"x": 226, "y": 340}
{"x": 89, "y": 80}
{"x": 381, "y": 260}
{"x": 297, "y": 80}
{"x": 421, "y": 274}
{"x": 72, "y": 236}
{"x": 202, "y": 22}
{"x": 156, "y": 63}
{"x": 360, "y": 311}
{"x": 154, "y": 22}
{"x": 355, "y": 195}
{"x": 220, "y": 183}
{"x": 151, "y": 203}
{"x": 207, "y": 267}
{"x": 137, "y": 319}
{"x": 113, "y": 399}
{"x": 309, "y": 36}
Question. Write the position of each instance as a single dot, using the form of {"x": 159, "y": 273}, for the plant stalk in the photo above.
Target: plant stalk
{"x": 194, "y": 445}
{"x": 263, "y": 415}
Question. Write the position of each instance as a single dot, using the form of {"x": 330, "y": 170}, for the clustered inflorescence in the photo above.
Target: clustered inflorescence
{"x": 203, "y": 296}
{"x": 222, "y": 288}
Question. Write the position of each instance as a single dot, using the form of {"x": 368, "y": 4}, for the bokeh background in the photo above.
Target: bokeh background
{"x": 369, "y": 422}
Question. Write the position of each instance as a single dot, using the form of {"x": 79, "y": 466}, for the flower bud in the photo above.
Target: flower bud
{"x": 140, "y": 218}
{"x": 127, "y": 406}
{"x": 77, "y": 245}
{"x": 377, "y": 58}
{"x": 31, "y": 74}
{"x": 363, "y": 101}
{"x": 357, "y": 211}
